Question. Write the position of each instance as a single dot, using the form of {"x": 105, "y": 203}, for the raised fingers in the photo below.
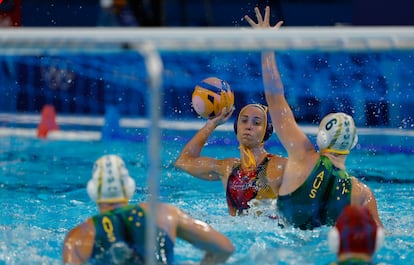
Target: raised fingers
{"x": 258, "y": 15}
{"x": 250, "y": 21}
{"x": 278, "y": 25}
{"x": 262, "y": 22}
{"x": 267, "y": 15}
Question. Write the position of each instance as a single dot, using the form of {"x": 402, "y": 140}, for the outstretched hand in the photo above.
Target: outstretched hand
{"x": 262, "y": 22}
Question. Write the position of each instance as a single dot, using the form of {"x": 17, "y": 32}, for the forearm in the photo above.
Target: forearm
{"x": 193, "y": 148}
{"x": 272, "y": 81}
{"x": 283, "y": 119}
{"x": 216, "y": 246}
{"x": 195, "y": 145}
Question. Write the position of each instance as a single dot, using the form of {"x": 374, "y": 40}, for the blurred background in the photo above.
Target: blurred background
{"x": 39, "y": 13}
{"x": 376, "y": 86}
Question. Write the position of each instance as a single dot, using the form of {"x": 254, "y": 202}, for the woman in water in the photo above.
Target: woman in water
{"x": 255, "y": 175}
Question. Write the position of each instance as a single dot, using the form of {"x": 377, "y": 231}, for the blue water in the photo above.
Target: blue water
{"x": 43, "y": 195}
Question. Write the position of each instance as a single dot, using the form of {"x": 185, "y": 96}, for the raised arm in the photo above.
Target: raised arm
{"x": 190, "y": 161}
{"x": 290, "y": 134}
{"x": 292, "y": 137}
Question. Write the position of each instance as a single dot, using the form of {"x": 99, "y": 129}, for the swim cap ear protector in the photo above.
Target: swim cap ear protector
{"x": 110, "y": 181}
{"x": 268, "y": 122}
{"x": 337, "y": 133}
{"x": 355, "y": 231}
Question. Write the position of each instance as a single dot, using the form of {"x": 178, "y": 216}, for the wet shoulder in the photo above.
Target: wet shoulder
{"x": 277, "y": 162}
{"x": 229, "y": 164}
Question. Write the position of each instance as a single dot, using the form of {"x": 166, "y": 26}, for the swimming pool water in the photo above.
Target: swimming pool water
{"x": 43, "y": 195}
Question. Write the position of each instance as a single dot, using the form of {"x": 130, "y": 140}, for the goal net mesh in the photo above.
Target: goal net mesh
{"x": 82, "y": 71}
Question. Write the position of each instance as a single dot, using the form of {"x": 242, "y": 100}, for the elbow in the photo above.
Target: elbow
{"x": 227, "y": 251}
{"x": 182, "y": 163}
{"x": 178, "y": 163}
{"x": 230, "y": 248}
{"x": 223, "y": 257}
{"x": 219, "y": 256}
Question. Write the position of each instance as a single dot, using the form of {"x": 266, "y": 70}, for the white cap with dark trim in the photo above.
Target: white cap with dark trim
{"x": 337, "y": 133}
{"x": 110, "y": 181}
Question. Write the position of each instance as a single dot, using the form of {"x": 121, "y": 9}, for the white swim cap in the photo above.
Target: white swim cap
{"x": 337, "y": 133}
{"x": 110, "y": 181}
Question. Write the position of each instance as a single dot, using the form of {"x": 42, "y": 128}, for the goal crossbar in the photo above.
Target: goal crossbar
{"x": 213, "y": 39}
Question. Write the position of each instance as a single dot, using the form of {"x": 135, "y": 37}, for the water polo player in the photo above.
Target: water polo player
{"x": 255, "y": 175}
{"x": 117, "y": 235}
{"x": 315, "y": 185}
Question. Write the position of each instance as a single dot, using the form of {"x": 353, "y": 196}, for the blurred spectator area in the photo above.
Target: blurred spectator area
{"x": 192, "y": 12}
{"x": 226, "y": 12}
{"x": 10, "y": 13}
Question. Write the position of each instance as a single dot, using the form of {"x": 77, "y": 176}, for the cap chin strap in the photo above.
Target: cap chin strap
{"x": 247, "y": 157}
{"x": 119, "y": 200}
{"x": 339, "y": 152}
